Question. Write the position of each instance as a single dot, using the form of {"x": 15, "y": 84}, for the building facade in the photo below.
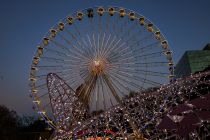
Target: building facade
{"x": 193, "y": 61}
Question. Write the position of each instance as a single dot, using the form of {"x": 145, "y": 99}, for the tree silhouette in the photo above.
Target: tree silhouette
{"x": 9, "y": 124}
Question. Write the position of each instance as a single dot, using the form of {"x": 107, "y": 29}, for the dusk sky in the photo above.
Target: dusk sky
{"x": 185, "y": 24}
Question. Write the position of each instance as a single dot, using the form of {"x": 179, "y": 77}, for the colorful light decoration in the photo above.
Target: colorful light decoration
{"x": 148, "y": 110}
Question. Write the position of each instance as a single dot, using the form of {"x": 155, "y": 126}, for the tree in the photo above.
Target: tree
{"x": 12, "y": 127}
{"x": 9, "y": 123}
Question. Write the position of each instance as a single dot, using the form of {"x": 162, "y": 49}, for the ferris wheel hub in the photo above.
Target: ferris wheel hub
{"x": 97, "y": 63}
{"x": 97, "y": 66}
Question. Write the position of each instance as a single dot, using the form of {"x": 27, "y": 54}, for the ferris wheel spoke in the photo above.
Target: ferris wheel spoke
{"x": 83, "y": 74}
{"x": 40, "y": 77}
{"x": 46, "y": 105}
{"x": 102, "y": 90}
{"x": 43, "y": 76}
{"x": 71, "y": 75}
{"x": 154, "y": 74}
{"x": 56, "y": 52}
{"x": 123, "y": 60}
{"x": 152, "y": 64}
{"x": 103, "y": 48}
{"x": 77, "y": 30}
{"x": 71, "y": 34}
{"x": 107, "y": 24}
{"x": 112, "y": 25}
{"x": 73, "y": 82}
{"x": 50, "y": 66}
{"x": 97, "y": 94}
{"x": 132, "y": 70}
{"x": 125, "y": 78}
{"x": 123, "y": 51}
{"x": 77, "y": 40}
{"x": 127, "y": 33}
{"x": 99, "y": 25}
{"x": 85, "y": 43}
{"x": 151, "y": 82}
{"x": 88, "y": 49}
{"x": 78, "y": 52}
{"x": 108, "y": 46}
{"x": 43, "y": 95}
{"x": 141, "y": 40}
{"x": 120, "y": 79}
{"x": 102, "y": 44}
{"x": 137, "y": 77}
{"x": 109, "y": 95}
{"x": 122, "y": 27}
{"x": 153, "y": 55}
{"x": 76, "y": 48}
{"x": 115, "y": 78}
{"x": 52, "y": 59}
{"x": 76, "y": 64}
{"x": 90, "y": 42}
{"x": 55, "y": 67}
{"x": 124, "y": 22}
{"x": 110, "y": 99}
{"x": 98, "y": 45}
{"x": 140, "y": 64}
{"x": 111, "y": 47}
{"x": 117, "y": 89}
{"x": 120, "y": 48}
{"x": 90, "y": 88}
{"x": 41, "y": 86}
{"x": 92, "y": 25}
{"x": 59, "y": 45}
{"x": 94, "y": 45}
{"x": 87, "y": 82}
{"x": 67, "y": 41}
{"x": 148, "y": 47}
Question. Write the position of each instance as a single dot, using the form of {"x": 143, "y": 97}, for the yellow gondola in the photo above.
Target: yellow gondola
{"x": 132, "y": 16}
{"x": 70, "y": 20}
{"x": 157, "y": 35}
{"x": 111, "y": 11}
{"x": 79, "y": 15}
{"x": 61, "y": 26}
{"x": 45, "y": 41}
{"x": 52, "y": 33}
{"x": 100, "y": 11}
{"x": 164, "y": 44}
{"x": 141, "y": 21}
{"x": 150, "y": 27}
{"x": 122, "y": 12}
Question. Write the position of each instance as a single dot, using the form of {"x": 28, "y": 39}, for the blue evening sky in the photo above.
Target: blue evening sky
{"x": 185, "y": 23}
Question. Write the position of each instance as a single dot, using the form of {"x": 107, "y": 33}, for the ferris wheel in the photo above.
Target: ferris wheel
{"x": 103, "y": 54}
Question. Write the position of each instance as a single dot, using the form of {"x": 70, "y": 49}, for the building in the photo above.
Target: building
{"x": 193, "y": 61}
